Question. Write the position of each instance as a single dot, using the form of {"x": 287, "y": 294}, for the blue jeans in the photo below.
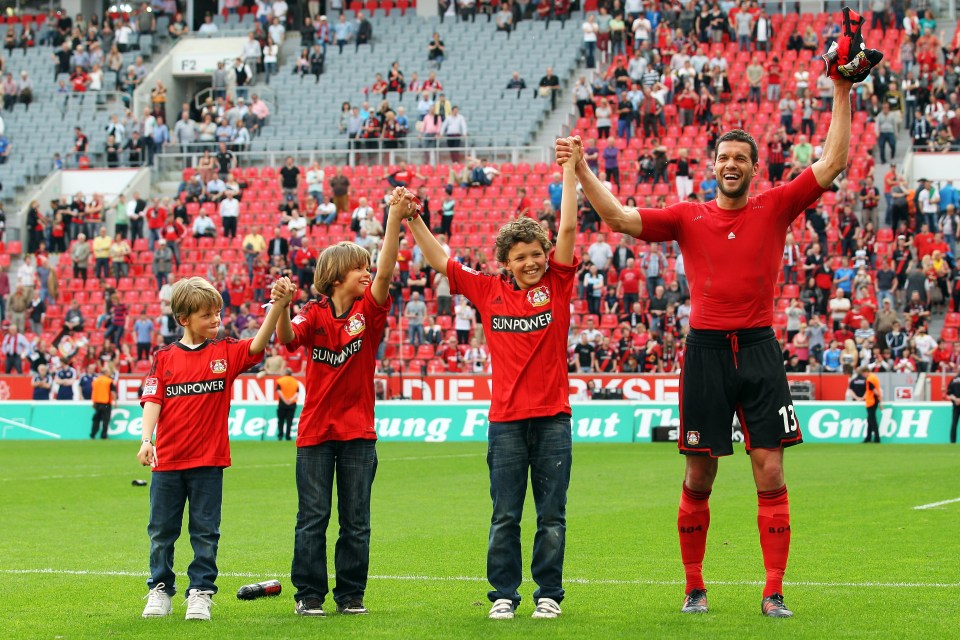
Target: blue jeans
{"x": 542, "y": 445}
{"x": 415, "y": 332}
{"x": 883, "y": 140}
{"x": 202, "y": 487}
{"x": 355, "y": 464}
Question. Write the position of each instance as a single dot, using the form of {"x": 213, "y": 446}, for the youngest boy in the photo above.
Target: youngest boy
{"x": 186, "y": 398}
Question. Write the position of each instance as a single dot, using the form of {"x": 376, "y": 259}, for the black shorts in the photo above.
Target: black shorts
{"x": 734, "y": 372}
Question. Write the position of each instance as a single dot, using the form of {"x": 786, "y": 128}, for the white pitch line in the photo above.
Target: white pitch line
{"x": 936, "y": 504}
{"x": 585, "y": 581}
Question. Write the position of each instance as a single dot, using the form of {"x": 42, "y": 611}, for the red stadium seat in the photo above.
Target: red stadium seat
{"x": 950, "y": 334}
{"x": 952, "y": 320}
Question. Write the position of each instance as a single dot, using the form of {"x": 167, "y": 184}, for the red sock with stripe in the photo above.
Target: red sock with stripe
{"x": 773, "y": 520}
{"x": 693, "y": 521}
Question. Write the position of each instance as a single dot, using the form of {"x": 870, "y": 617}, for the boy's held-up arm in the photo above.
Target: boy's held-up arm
{"x": 151, "y": 414}
{"x": 282, "y": 296}
{"x": 284, "y": 326}
{"x": 567, "y": 229}
{"x": 401, "y": 206}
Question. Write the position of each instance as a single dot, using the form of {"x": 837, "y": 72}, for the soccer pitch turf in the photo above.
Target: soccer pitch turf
{"x": 864, "y": 562}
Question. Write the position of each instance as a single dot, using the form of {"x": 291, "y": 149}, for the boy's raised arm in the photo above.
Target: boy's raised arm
{"x": 401, "y": 204}
{"x": 279, "y": 308}
{"x": 567, "y": 230}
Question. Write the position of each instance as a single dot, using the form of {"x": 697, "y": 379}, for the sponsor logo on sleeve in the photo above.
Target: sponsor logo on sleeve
{"x": 299, "y": 320}
{"x": 464, "y": 267}
{"x": 149, "y": 386}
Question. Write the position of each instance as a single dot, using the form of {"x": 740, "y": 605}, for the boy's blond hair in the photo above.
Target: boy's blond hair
{"x": 193, "y": 294}
{"x": 522, "y": 229}
{"x": 335, "y": 262}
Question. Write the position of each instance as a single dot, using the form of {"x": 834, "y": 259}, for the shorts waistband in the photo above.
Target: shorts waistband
{"x": 719, "y": 339}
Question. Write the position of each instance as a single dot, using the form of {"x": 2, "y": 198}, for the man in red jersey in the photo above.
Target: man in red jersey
{"x": 732, "y": 248}
{"x": 526, "y": 318}
{"x": 186, "y": 397}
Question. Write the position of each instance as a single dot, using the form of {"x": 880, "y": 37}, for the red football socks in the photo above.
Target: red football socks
{"x": 773, "y": 520}
{"x": 693, "y": 521}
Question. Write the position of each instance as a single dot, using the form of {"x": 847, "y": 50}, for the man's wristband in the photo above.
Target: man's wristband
{"x": 146, "y": 441}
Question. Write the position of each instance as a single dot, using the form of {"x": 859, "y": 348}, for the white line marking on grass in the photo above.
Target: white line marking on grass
{"x": 587, "y": 581}
{"x": 936, "y": 504}
{"x": 20, "y": 425}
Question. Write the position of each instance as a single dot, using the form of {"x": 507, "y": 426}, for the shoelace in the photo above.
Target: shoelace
{"x": 200, "y": 594}
{"x": 156, "y": 592}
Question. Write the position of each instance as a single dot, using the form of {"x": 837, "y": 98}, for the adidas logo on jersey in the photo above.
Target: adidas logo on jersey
{"x": 497, "y": 300}
{"x": 732, "y": 236}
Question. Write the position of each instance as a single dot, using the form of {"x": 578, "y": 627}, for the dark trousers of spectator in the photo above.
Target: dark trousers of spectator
{"x": 754, "y": 95}
{"x": 652, "y": 282}
{"x": 628, "y": 300}
{"x": 340, "y": 45}
{"x": 879, "y": 20}
{"x": 603, "y": 132}
{"x": 101, "y": 420}
{"x": 873, "y": 429}
{"x": 589, "y": 53}
{"x": 34, "y": 240}
{"x": 463, "y": 337}
{"x": 360, "y": 41}
{"x": 13, "y": 363}
{"x": 136, "y": 229}
{"x": 122, "y": 229}
{"x": 114, "y": 333}
{"x": 953, "y": 424}
{"x": 454, "y": 142}
{"x": 884, "y": 139}
{"x": 101, "y": 268}
{"x": 446, "y": 225}
{"x": 650, "y": 125}
{"x": 285, "y": 413}
{"x": 786, "y": 121}
{"x": 593, "y": 304}
{"x": 80, "y": 271}
{"x": 143, "y": 351}
{"x": 808, "y": 127}
{"x": 789, "y": 274}
{"x": 229, "y": 227}
{"x": 468, "y": 12}
{"x": 776, "y": 171}
{"x": 660, "y": 173}
{"x": 613, "y": 175}
{"x": 581, "y": 105}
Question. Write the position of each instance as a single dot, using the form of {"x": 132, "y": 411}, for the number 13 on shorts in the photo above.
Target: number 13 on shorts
{"x": 790, "y": 423}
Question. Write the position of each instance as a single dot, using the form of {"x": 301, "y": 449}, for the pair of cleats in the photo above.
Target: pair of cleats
{"x": 772, "y": 606}
{"x": 505, "y": 609}
{"x": 160, "y": 604}
{"x": 313, "y": 607}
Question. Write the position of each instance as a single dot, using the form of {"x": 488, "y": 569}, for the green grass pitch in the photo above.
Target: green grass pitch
{"x": 864, "y": 562}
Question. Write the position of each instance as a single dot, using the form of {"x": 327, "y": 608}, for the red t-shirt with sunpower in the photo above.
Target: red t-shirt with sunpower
{"x": 526, "y": 333}
{"x": 630, "y": 281}
{"x": 192, "y": 387}
{"x": 341, "y": 359}
{"x": 732, "y": 258}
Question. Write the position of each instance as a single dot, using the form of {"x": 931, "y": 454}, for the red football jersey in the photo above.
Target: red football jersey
{"x": 192, "y": 387}
{"x": 341, "y": 359}
{"x": 732, "y": 257}
{"x": 526, "y": 333}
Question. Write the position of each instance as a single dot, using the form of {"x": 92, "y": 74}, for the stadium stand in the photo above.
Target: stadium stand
{"x": 853, "y": 244}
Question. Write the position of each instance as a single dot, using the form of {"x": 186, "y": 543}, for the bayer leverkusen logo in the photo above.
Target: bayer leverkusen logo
{"x": 356, "y": 324}
{"x": 539, "y": 296}
{"x": 693, "y": 438}
{"x": 218, "y": 366}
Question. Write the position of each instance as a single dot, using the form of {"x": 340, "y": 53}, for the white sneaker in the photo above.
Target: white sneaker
{"x": 199, "y": 604}
{"x": 158, "y": 603}
{"x": 502, "y": 609}
{"x": 547, "y": 608}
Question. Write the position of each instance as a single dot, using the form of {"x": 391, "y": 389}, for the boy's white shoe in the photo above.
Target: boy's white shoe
{"x": 199, "y": 604}
{"x": 547, "y": 608}
{"x": 158, "y": 603}
{"x": 502, "y": 609}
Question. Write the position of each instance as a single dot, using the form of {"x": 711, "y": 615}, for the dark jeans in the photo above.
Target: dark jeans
{"x": 101, "y": 268}
{"x": 202, "y": 487}
{"x": 355, "y": 464}
{"x": 542, "y": 446}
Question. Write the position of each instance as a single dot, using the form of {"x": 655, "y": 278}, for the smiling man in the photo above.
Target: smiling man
{"x": 732, "y": 248}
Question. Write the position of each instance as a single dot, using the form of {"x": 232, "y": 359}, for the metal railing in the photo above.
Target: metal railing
{"x": 435, "y": 154}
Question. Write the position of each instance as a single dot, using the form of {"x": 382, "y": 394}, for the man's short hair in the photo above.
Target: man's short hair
{"x": 193, "y": 294}
{"x": 522, "y": 229}
{"x": 739, "y": 135}
{"x": 334, "y": 264}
